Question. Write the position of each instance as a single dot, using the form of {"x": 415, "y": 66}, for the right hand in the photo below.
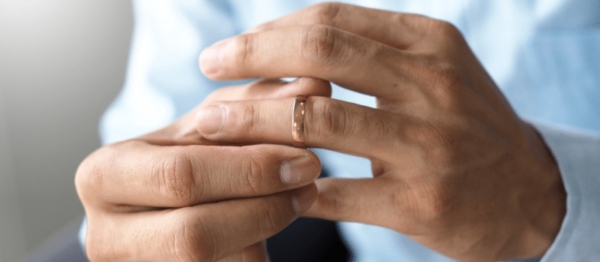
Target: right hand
{"x": 173, "y": 196}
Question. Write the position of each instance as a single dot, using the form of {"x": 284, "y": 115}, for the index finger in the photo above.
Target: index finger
{"x": 318, "y": 51}
{"x": 135, "y": 173}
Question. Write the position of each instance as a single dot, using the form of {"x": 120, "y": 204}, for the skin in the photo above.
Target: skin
{"x": 454, "y": 168}
{"x": 172, "y": 195}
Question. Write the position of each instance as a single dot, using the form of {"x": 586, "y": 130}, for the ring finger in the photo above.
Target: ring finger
{"x": 329, "y": 123}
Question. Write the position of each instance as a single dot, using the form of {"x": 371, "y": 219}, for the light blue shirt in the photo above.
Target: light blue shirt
{"x": 544, "y": 55}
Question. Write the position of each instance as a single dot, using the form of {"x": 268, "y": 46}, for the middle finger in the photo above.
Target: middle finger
{"x": 400, "y": 30}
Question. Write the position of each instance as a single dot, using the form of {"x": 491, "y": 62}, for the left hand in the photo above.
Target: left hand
{"x": 172, "y": 196}
{"x": 454, "y": 167}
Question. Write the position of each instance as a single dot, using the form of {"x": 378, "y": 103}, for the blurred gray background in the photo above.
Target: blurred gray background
{"x": 61, "y": 64}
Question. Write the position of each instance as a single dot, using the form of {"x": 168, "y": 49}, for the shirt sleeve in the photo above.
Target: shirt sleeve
{"x": 163, "y": 78}
{"x": 578, "y": 156}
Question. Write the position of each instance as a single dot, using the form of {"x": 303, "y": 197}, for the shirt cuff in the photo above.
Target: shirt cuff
{"x": 577, "y": 154}
{"x": 81, "y": 235}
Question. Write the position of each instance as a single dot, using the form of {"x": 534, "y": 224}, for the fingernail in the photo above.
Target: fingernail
{"x": 210, "y": 59}
{"x": 298, "y": 170}
{"x": 209, "y": 120}
{"x": 302, "y": 200}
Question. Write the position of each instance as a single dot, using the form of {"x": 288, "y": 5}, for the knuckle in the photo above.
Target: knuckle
{"x": 250, "y": 119}
{"x": 336, "y": 207}
{"x": 427, "y": 203}
{"x": 434, "y": 199}
{"x": 191, "y": 242}
{"x": 417, "y": 26}
{"x": 242, "y": 49}
{"x": 324, "y": 13}
{"x": 92, "y": 173}
{"x": 253, "y": 174}
{"x": 327, "y": 119}
{"x": 445, "y": 32}
{"x": 92, "y": 246}
{"x": 97, "y": 246}
{"x": 448, "y": 77}
{"x": 273, "y": 221}
{"x": 320, "y": 44}
{"x": 444, "y": 81}
{"x": 88, "y": 173}
{"x": 442, "y": 151}
{"x": 95, "y": 254}
{"x": 447, "y": 28}
{"x": 412, "y": 21}
{"x": 175, "y": 178}
{"x": 434, "y": 136}
{"x": 438, "y": 144}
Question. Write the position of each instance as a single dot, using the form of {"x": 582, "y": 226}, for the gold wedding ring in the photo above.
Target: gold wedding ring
{"x": 299, "y": 111}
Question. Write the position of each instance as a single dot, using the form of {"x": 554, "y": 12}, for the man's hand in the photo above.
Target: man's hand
{"x": 173, "y": 196}
{"x": 454, "y": 167}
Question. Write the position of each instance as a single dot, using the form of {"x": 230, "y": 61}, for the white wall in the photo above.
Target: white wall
{"x": 61, "y": 63}
{"x": 11, "y": 228}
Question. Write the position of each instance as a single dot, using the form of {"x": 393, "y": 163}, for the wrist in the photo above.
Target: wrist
{"x": 546, "y": 207}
